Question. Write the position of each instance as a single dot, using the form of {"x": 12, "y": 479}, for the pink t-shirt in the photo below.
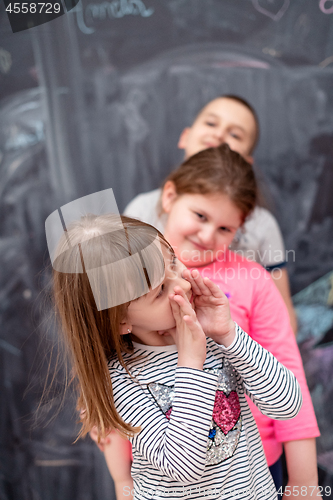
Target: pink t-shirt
{"x": 258, "y": 308}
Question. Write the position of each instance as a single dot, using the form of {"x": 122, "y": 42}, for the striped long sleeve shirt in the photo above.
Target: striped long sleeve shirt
{"x": 198, "y": 438}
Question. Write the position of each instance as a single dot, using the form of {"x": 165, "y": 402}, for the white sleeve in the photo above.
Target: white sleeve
{"x": 272, "y": 387}
{"x": 177, "y": 447}
{"x": 272, "y": 247}
{"x": 138, "y": 208}
{"x": 145, "y": 207}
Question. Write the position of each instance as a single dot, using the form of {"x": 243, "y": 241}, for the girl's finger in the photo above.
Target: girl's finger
{"x": 187, "y": 274}
{"x": 180, "y": 307}
{"x": 185, "y": 306}
{"x": 193, "y": 326}
{"x": 175, "y": 308}
{"x": 201, "y": 284}
{"x": 173, "y": 333}
{"x": 180, "y": 293}
{"x": 213, "y": 288}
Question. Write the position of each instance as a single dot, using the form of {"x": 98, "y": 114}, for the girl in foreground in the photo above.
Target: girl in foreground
{"x": 203, "y": 204}
{"x": 178, "y": 375}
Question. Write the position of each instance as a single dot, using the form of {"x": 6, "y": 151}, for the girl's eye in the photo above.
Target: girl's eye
{"x": 235, "y": 136}
{"x": 200, "y": 216}
{"x": 161, "y": 291}
{"x": 225, "y": 229}
{"x": 211, "y": 124}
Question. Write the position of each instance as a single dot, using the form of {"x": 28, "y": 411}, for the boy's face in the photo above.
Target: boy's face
{"x": 222, "y": 120}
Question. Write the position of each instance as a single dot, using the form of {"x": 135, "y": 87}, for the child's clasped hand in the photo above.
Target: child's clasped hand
{"x": 209, "y": 316}
{"x": 212, "y": 308}
{"x": 188, "y": 335}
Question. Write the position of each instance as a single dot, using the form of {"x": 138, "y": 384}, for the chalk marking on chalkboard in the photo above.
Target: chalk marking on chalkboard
{"x": 57, "y": 463}
{"x": 135, "y": 122}
{"x": 325, "y": 10}
{"x": 330, "y": 295}
{"x": 6, "y": 346}
{"x": 271, "y": 52}
{"x": 81, "y": 22}
{"x": 5, "y": 61}
{"x": 114, "y": 9}
{"x": 275, "y": 16}
{"x": 326, "y": 62}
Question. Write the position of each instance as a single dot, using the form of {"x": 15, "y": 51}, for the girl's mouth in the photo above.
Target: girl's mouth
{"x": 200, "y": 247}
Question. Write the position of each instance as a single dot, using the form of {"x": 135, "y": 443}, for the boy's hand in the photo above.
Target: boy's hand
{"x": 212, "y": 308}
{"x": 188, "y": 334}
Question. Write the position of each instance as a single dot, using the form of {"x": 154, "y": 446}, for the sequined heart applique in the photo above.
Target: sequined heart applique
{"x": 163, "y": 395}
{"x": 226, "y": 424}
{"x": 168, "y": 413}
{"x": 226, "y": 410}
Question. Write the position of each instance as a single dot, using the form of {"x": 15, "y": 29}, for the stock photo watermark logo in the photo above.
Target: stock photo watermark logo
{"x": 87, "y": 236}
{"x": 24, "y": 15}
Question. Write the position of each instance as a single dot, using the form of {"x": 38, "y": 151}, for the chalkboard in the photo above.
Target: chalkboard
{"x": 314, "y": 307}
{"x": 97, "y": 99}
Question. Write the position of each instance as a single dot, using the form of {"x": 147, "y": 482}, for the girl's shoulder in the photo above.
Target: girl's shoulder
{"x": 114, "y": 366}
{"x": 238, "y": 257}
{"x": 143, "y": 203}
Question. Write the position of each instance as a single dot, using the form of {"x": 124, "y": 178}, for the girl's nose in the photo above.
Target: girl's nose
{"x": 185, "y": 285}
{"x": 207, "y": 236}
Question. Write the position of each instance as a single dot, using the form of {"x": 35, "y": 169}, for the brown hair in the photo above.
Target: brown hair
{"x": 218, "y": 170}
{"x": 92, "y": 335}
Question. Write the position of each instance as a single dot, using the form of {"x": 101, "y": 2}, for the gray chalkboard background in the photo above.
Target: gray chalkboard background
{"x": 97, "y": 99}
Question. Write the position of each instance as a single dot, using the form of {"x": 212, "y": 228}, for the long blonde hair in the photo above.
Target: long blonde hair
{"x": 92, "y": 335}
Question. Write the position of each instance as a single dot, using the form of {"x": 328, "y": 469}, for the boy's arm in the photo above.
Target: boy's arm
{"x": 301, "y": 461}
{"x": 281, "y": 280}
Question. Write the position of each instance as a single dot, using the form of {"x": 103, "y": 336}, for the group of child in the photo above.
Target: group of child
{"x": 171, "y": 367}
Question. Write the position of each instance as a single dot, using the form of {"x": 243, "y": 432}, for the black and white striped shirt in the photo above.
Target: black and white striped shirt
{"x": 198, "y": 438}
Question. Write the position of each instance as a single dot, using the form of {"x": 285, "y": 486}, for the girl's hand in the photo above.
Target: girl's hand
{"x": 188, "y": 334}
{"x": 212, "y": 308}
